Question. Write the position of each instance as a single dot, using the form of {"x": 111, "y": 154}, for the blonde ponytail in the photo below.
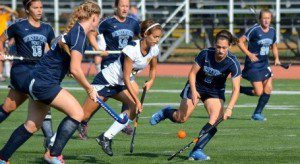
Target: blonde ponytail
{"x": 82, "y": 12}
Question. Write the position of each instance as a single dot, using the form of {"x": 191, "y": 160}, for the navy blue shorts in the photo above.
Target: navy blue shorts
{"x": 254, "y": 75}
{"x": 187, "y": 94}
{"x": 19, "y": 74}
{"x": 104, "y": 89}
{"x": 41, "y": 90}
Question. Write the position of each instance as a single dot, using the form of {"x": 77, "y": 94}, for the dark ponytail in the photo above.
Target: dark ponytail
{"x": 224, "y": 34}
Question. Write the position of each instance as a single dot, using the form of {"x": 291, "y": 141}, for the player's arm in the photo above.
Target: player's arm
{"x": 8, "y": 9}
{"x": 76, "y": 71}
{"x": 274, "y": 48}
{"x": 92, "y": 37}
{"x": 234, "y": 96}
{"x": 243, "y": 47}
{"x": 127, "y": 68}
{"x": 192, "y": 80}
{"x": 3, "y": 38}
{"x": 152, "y": 73}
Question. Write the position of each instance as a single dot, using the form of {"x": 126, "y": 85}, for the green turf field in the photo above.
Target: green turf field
{"x": 238, "y": 140}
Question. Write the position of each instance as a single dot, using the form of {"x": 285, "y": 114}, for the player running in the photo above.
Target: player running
{"x": 114, "y": 34}
{"x": 206, "y": 81}
{"x": 43, "y": 85}
{"x": 114, "y": 80}
{"x": 32, "y": 38}
{"x": 257, "y": 69}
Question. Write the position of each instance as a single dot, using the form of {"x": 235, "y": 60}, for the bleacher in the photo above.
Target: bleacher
{"x": 207, "y": 17}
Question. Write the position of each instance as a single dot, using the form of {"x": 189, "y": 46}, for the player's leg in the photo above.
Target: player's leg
{"x": 97, "y": 61}
{"x": 105, "y": 139}
{"x": 128, "y": 129}
{"x": 36, "y": 115}
{"x": 2, "y": 79}
{"x": 214, "y": 107}
{"x": 66, "y": 103}
{"x": 180, "y": 115}
{"x": 263, "y": 100}
{"x": 258, "y": 91}
{"x": 11, "y": 103}
{"x": 90, "y": 107}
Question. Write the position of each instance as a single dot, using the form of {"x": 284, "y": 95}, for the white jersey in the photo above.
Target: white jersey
{"x": 114, "y": 72}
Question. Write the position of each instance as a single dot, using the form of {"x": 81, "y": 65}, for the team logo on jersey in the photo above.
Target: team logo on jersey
{"x": 210, "y": 74}
{"x": 123, "y": 36}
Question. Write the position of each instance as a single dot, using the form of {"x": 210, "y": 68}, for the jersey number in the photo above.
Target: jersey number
{"x": 37, "y": 51}
{"x": 264, "y": 50}
{"x": 208, "y": 79}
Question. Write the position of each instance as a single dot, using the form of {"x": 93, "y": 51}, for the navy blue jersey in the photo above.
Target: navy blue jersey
{"x": 259, "y": 43}
{"x": 30, "y": 41}
{"x": 212, "y": 75}
{"x": 53, "y": 66}
{"x": 118, "y": 34}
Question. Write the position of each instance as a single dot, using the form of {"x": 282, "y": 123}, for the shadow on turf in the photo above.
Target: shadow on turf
{"x": 80, "y": 159}
{"x": 152, "y": 155}
{"x": 231, "y": 118}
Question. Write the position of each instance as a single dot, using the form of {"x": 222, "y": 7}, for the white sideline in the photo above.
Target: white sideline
{"x": 174, "y": 90}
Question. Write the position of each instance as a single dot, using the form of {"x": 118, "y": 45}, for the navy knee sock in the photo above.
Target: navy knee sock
{"x": 3, "y": 114}
{"x": 47, "y": 126}
{"x": 64, "y": 132}
{"x": 168, "y": 113}
{"x": 18, "y": 137}
{"x": 247, "y": 90}
{"x": 124, "y": 107}
{"x": 206, "y": 137}
{"x": 263, "y": 100}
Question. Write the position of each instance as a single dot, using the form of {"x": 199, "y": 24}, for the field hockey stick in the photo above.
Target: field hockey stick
{"x": 112, "y": 113}
{"x": 136, "y": 121}
{"x": 101, "y": 52}
{"x": 195, "y": 140}
{"x": 11, "y": 57}
{"x": 285, "y": 66}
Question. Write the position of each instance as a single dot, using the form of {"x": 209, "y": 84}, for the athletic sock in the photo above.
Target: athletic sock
{"x": 206, "y": 137}
{"x": 47, "y": 126}
{"x": 3, "y": 114}
{"x": 263, "y": 100}
{"x": 168, "y": 113}
{"x": 247, "y": 90}
{"x": 115, "y": 128}
{"x": 124, "y": 107}
{"x": 64, "y": 132}
{"x": 17, "y": 138}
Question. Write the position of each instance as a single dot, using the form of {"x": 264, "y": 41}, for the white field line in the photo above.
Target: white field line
{"x": 174, "y": 90}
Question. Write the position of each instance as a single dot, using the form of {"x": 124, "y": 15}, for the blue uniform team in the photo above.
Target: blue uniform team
{"x": 206, "y": 82}
{"x": 261, "y": 39}
{"x": 32, "y": 38}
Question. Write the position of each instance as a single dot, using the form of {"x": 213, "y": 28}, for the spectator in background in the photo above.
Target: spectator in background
{"x": 5, "y": 17}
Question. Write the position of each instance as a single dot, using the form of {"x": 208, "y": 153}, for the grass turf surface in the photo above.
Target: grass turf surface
{"x": 238, "y": 140}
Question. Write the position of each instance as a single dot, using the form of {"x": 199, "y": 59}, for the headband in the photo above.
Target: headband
{"x": 27, "y": 4}
{"x": 155, "y": 24}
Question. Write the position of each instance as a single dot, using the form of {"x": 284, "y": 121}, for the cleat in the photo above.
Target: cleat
{"x": 128, "y": 130}
{"x": 198, "y": 155}
{"x": 158, "y": 116}
{"x": 105, "y": 143}
{"x": 258, "y": 117}
{"x": 53, "y": 160}
{"x": 82, "y": 131}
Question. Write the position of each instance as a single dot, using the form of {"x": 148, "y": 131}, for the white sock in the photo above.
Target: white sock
{"x": 115, "y": 128}
{"x": 98, "y": 67}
